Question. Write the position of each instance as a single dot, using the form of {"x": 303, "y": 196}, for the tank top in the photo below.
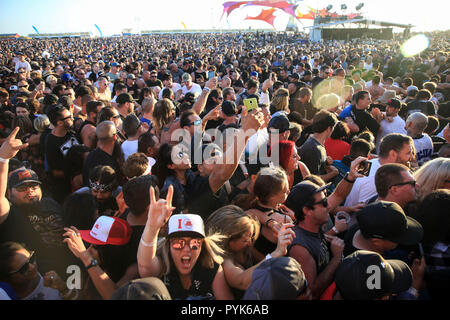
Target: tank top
{"x": 201, "y": 287}
{"x": 316, "y": 245}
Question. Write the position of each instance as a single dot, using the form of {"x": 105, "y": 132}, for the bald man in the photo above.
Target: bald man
{"x": 415, "y": 126}
{"x": 107, "y": 153}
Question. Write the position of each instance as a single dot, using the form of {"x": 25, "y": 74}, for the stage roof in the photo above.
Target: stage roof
{"x": 362, "y": 21}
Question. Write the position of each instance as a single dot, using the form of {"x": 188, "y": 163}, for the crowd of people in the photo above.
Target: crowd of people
{"x": 198, "y": 166}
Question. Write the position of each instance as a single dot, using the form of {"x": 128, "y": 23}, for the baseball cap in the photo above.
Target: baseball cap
{"x": 294, "y": 76}
{"x": 142, "y": 289}
{"x": 352, "y": 276}
{"x": 131, "y": 76}
{"x": 189, "y": 225}
{"x": 229, "y": 108}
{"x": 280, "y": 122}
{"x": 66, "y": 77}
{"x": 386, "y": 220}
{"x": 254, "y": 74}
{"x": 124, "y": 97}
{"x": 395, "y": 103}
{"x": 411, "y": 88}
{"x": 186, "y": 77}
{"x": 108, "y": 230}
{"x": 387, "y": 95}
{"x": 21, "y": 176}
{"x": 114, "y": 64}
{"x": 301, "y": 194}
{"x": 277, "y": 279}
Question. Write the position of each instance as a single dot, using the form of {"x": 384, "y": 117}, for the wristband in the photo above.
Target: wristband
{"x": 348, "y": 180}
{"x": 268, "y": 257}
{"x": 148, "y": 245}
{"x": 206, "y": 89}
{"x": 4, "y": 160}
{"x": 335, "y": 230}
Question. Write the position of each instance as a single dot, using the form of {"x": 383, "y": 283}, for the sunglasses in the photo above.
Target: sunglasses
{"x": 323, "y": 202}
{"x": 67, "y": 118}
{"x": 412, "y": 183}
{"x": 179, "y": 244}
{"x": 196, "y": 123}
{"x": 26, "y": 266}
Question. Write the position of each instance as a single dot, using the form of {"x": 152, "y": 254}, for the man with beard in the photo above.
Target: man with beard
{"x": 57, "y": 144}
{"x": 104, "y": 188}
{"x": 392, "y": 122}
{"x": 25, "y": 215}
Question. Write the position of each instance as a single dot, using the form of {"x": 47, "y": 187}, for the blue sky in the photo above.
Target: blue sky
{"x": 50, "y": 16}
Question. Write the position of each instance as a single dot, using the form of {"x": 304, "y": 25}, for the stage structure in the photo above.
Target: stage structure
{"x": 338, "y": 28}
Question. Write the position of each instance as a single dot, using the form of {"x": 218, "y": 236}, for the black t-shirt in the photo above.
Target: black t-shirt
{"x": 201, "y": 288}
{"x": 56, "y": 148}
{"x": 116, "y": 259}
{"x": 314, "y": 156}
{"x": 364, "y": 120}
{"x": 98, "y": 157}
{"x": 18, "y": 228}
{"x": 200, "y": 198}
{"x": 426, "y": 107}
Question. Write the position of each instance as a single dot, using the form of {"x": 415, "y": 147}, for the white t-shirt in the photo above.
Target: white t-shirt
{"x": 24, "y": 65}
{"x": 175, "y": 88}
{"x": 386, "y": 127}
{"x": 364, "y": 188}
{"x": 195, "y": 89}
{"x": 424, "y": 148}
{"x": 129, "y": 147}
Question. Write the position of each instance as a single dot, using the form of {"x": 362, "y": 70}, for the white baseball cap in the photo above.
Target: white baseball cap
{"x": 186, "y": 224}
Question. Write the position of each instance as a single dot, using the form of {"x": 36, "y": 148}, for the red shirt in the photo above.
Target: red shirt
{"x": 337, "y": 149}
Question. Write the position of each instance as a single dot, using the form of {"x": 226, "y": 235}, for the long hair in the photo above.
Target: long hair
{"x": 432, "y": 175}
{"x": 286, "y": 151}
{"x": 280, "y": 100}
{"x": 160, "y": 169}
{"x": 210, "y": 253}
{"x": 162, "y": 113}
{"x": 233, "y": 222}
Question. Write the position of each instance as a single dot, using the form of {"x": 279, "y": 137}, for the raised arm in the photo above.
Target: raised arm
{"x": 158, "y": 214}
{"x": 226, "y": 166}
{"x": 345, "y": 185}
{"x": 200, "y": 104}
{"x": 10, "y": 147}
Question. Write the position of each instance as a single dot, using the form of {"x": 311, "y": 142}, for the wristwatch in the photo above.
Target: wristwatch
{"x": 347, "y": 179}
{"x": 93, "y": 263}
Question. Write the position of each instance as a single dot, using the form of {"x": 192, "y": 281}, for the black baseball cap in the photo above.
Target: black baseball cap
{"x": 277, "y": 279}
{"x": 280, "y": 122}
{"x": 229, "y": 108}
{"x": 386, "y": 220}
{"x": 124, "y": 97}
{"x": 395, "y": 103}
{"x": 301, "y": 194}
{"x": 21, "y": 176}
{"x": 143, "y": 289}
{"x": 353, "y": 276}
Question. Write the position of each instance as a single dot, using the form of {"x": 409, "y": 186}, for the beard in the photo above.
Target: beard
{"x": 31, "y": 206}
